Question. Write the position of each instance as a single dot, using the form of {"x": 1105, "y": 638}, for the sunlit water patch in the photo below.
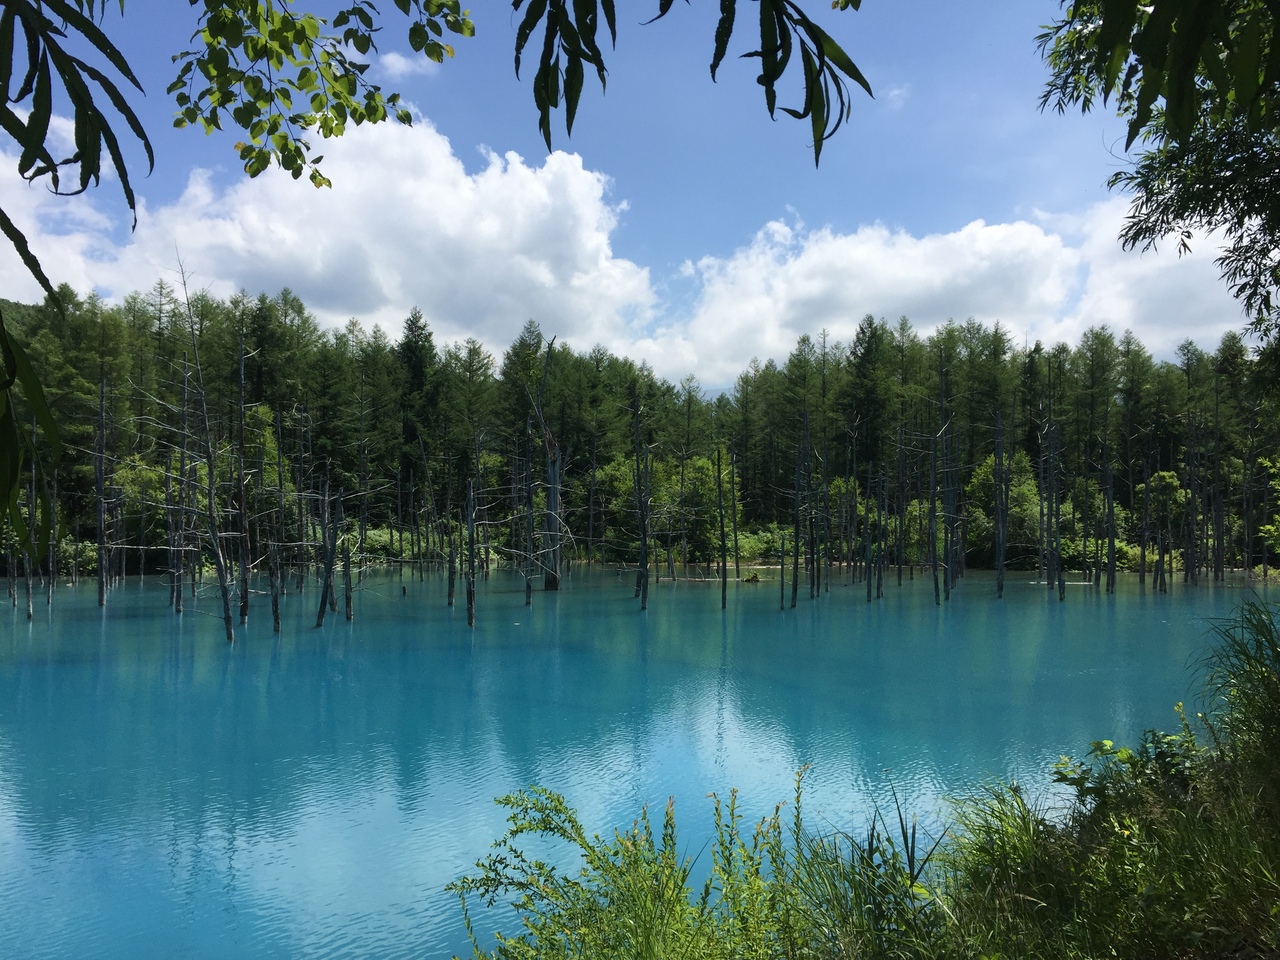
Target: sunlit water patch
{"x": 309, "y": 794}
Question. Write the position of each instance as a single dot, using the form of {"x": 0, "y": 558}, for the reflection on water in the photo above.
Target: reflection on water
{"x": 310, "y": 794}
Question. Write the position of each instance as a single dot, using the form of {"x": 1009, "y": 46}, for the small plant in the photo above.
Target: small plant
{"x": 1244, "y": 679}
{"x": 1170, "y": 849}
{"x": 629, "y": 899}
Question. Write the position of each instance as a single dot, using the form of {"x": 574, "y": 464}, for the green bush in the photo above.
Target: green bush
{"x": 1171, "y": 849}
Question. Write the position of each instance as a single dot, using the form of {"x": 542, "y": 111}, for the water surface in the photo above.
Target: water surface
{"x": 309, "y": 794}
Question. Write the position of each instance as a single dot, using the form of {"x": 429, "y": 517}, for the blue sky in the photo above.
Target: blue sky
{"x": 679, "y": 224}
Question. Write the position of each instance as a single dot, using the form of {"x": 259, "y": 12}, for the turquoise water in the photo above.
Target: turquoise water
{"x": 310, "y": 794}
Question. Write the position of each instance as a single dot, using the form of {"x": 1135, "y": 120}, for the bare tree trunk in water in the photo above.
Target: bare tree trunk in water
{"x": 881, "y": 536}
{"x": 733, "y": 514}
{"x": 902, "y": 505}
{"x": 243, "y": 503}
{"x": 347, "y": 609}
{"x": 1111, "y": 523}
{"x": 30, "y": 554}
{"x": 180, "y": 541}
{"x": 782, "y": 571}
{"x": 453, "y": 564}
{"x": 100, "y": 490}
{"x": 795, "y": 535}
{"x": 724, "y": 549}
{"x": 933, "y": 518}
{"x": 528, "y": 511}
{"x": 471, "y": 554}
{"x": 52, "y": 545}
{"x": 329, "y": 532}
{"x": 641, "y": 478}
{"x": 10, "y": 564}
{"x": 215, "y": 543}
{"x": 1000, "y": 489}
{"x": 870, "y": 499}
{"x": 553, "y": 526}
{"x": 277, "y": 574}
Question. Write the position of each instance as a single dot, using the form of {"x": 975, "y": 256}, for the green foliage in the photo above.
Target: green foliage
{"x": 1245, "y": 679}
{"x": 77, "y": 555}
{"x": 408, "y": 426}
{"x": 1024, "y": 512}
{"x": 1169, "y": 849}
{"x": 380, "y": 545}
{"x": 1197, "y": 82}
{"x": 1172, "y": 62}
{"x": 278, "y": 73}
{"x": 760, "y": 543}
{"x": 35, "y": 51}
{"x": 281, "y": 73}
{"x": 631, "y": 897}
{"x": 569, "y": 44}
{"x": 780, "y": 892}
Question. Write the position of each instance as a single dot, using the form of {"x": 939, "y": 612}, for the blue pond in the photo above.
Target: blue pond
{"x": 309, "y": 794}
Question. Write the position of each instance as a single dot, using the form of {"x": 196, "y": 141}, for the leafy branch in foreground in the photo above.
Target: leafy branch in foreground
{"x": 569, "y": 45}
{"x": 1223, "y": 177}
{"x": 254, "y": 57}
{"x": 1198, "y": 82}
{"x": 34, "y": 54}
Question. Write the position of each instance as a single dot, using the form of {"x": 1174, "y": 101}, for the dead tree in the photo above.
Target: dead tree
{"x": 724, "y": 549}
{"x": 1000, "y": 491}
{"x": 329, "y": 524}
{"x": 471, "y": 554}
{"x": 100, "y": 488}
{"x": 215, "y": 542}
{"x": 642, "y": 485}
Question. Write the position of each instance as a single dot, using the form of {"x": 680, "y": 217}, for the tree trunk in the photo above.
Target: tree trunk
{"x": 553, "y": 526}
{"x": 528, "y": 512}
{"x": 724, "y": 548}
{"x": 471, "y": 554}
{"x": 215, "y": 543}
{"x": 347, "y": 608}
{"x": 453, "y": 564}
{"x": 100, "y": 490}
{"x": 329, "y": 532}
{"x": 795, "y": 535}
{"x": 933, "y": 518}
{"x": 1000, "y": 488}
{"x": 782, "y": 571}
{"x": 733, "y": 514}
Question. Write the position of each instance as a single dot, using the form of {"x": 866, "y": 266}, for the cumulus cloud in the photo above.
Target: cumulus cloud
{"x": 1163, "y": 297}
{"x": 896, "y": 97}
{"x": 1049, "y": 280}
{"x": 396, "y": 66}
{"x": 404, "y": 224}
{"x": 483, "y": 252}
{"x": 789, "y": 281}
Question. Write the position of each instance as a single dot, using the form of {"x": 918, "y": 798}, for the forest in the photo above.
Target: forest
{"x": 240, "y": 439}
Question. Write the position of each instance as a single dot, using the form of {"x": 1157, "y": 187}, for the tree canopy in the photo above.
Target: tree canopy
{"x": 284, "y": 73}
{"x": 1199, "y": 83}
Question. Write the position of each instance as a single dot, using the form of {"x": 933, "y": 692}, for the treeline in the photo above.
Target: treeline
{"x": 241, "y": 437}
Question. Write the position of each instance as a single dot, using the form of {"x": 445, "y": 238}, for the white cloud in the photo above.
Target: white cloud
{"x": 1049, "y": 280}
{"x": 895, "y": 98}
{"x": 396, "y": 66}
{"x": 1162, "y": 297}
{"x": 482, "y": 253}
{"x": 404, "y": 224}
{"x": 788, "y": 282}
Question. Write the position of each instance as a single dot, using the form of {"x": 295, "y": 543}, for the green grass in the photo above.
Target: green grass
{"x": 1170, "y": 849}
